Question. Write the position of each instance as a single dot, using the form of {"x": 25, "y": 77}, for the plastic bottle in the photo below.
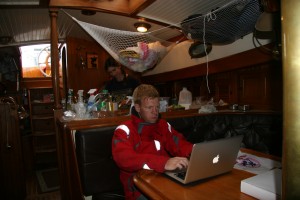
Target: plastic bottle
{"x": 80, "y": 108}
{"x": 185, "y": 98}
{"x": 63, "y": 104}
{"x": 104, "y": 101}
{"x": 70, "y": 102}
{"x": 109, "y": 104}
{"x": 91, "y": 100}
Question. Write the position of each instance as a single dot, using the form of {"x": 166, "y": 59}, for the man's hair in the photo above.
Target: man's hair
{"x": 111, "y": 62}
{"x": 144, "y": 91}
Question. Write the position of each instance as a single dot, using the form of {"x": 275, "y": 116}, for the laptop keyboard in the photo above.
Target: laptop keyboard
{"x": 181, "y": 175}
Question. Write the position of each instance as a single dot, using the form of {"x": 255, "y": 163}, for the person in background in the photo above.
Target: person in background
{"x": 120, "y": 83}
{"x": 146, "y": 141}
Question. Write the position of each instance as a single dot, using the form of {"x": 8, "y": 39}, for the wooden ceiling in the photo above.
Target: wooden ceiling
{"x": 126, "y": 7}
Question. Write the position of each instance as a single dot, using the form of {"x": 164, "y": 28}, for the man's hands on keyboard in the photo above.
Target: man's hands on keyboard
{"x": 176, "y": 163}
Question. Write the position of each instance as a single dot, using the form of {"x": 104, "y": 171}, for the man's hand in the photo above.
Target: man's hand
{"x": 176, "y": 163}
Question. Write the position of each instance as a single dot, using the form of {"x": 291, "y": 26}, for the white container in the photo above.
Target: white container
{"x": 185, "y": 98}
{"x": 163, "y": 104}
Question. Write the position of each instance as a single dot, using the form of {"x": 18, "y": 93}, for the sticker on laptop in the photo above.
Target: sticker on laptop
{"x": 246, "y": 161}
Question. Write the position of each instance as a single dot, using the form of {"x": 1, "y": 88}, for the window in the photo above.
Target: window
{"x": 36, "y": 61}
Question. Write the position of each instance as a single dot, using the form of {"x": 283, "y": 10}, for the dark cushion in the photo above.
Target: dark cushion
{"x": 98, "y": 171}
{"x": 262, "y": 132}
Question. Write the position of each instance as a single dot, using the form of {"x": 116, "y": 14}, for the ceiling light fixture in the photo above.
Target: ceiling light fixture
{"x": 142, "y": 27}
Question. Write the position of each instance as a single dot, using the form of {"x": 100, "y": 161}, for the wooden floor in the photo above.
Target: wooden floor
{"x": 32, "y": 190}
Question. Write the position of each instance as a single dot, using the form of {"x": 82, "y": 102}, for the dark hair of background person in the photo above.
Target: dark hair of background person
{"x": 111, "y": 62}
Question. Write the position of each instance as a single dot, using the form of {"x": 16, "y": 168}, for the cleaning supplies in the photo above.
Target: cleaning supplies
{"x": 91, "y": 100}
{"x": 130, "y": 98}
{"x": 103, "y": 100}
{"x": 185, "y": 98}
{"x": 80, "y": 108}
{"x": 70, "y": 102}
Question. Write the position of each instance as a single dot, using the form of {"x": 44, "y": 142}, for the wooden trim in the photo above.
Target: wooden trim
{"x": 237, "y": 61}
{"x": 118, "y": 7}
{"x": 36, "y": 83}
{"x": 54, "y": 57}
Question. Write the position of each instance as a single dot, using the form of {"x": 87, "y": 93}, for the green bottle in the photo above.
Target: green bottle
{"x": 70, "y": 102}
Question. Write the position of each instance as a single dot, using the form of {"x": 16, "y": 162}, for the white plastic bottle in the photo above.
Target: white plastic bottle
{"x": 80, "y": 108}
{"x": 185, "y": 98}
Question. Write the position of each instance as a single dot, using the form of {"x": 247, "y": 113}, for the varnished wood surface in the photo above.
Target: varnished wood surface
{"x": 158, "y": 186}
{"x": 226, "y": 186}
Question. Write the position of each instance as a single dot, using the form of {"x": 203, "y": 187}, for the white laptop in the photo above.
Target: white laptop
{"x": 209, "y": 159}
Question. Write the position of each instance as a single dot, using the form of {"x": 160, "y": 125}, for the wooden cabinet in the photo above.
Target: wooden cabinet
{"x": 260, "y": 87}
{"x": 42, "y": 125}
{"x": 12, "y": 175}
{"x": 223, "y": 87}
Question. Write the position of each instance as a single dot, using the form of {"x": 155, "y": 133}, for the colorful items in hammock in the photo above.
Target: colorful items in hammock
{"x": 142, "y": 57}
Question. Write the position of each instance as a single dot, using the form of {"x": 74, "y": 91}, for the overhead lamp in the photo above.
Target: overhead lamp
{"x": 142, "y": 27}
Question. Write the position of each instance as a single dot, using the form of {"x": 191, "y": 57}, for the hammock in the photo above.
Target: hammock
{"x": 223, "y": 25}
{"x": 137, "y": 51}
{"x": 143, "y": 51}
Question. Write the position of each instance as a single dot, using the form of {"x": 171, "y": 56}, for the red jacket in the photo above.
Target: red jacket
{"x": 140, "y": 145}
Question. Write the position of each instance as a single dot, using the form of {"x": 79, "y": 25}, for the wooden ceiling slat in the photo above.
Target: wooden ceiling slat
{"x": 115, "y": 6}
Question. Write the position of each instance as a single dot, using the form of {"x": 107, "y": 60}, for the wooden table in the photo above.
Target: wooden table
{"x": 226, "y": 186}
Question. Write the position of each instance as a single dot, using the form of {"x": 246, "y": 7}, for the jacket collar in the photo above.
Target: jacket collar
{"x": 140, "y": 122}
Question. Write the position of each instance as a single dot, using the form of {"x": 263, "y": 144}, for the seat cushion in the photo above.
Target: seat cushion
{"x": 98, "y": 171}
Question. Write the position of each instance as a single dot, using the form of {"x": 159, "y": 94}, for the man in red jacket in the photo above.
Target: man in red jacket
{"x": 147, "y": 142}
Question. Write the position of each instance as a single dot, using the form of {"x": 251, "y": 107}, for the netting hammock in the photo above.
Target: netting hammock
{"x": 137, "y": 51}
{"x": 143, "y": 51}
{"x": 223, "y": 25}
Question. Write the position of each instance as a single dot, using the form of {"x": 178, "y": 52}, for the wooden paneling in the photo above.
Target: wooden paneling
{"x": 11, "y": 164}
{"x": 241, "y": 60}
{"x": 236, "y": 79}
{"x": 261, "y": 87}
{"x": 78, "y": 76}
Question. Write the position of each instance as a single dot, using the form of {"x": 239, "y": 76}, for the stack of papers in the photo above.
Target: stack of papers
{"x": 263, "y": 186}
{"x": 255, "y": 164}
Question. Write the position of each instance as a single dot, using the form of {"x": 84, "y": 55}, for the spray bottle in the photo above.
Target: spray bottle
{"x": 130, "y": 98}
{"x": 91, "y": 99}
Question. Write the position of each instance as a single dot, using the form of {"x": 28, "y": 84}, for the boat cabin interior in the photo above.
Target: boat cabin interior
{"x": 232, "y": 54}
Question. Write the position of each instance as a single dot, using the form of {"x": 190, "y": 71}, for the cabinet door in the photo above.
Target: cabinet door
{"x": 254, "y": 88}
{"x": 11, "y": 163}
{"x": 225, "y": 87}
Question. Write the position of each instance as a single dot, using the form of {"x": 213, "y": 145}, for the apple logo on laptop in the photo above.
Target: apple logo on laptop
{"x": 216, "y": 159}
